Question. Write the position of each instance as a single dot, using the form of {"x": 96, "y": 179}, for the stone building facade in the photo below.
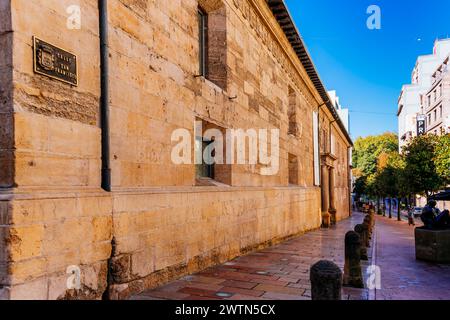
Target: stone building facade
{"x": 153, "y": 222}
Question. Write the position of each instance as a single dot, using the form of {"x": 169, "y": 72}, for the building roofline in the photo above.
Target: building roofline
{"x": 285, "y": 21}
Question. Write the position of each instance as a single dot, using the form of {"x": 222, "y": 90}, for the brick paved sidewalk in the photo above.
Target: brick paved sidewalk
{"x": 277, "y": 273}
{"x": 402, "y": 276}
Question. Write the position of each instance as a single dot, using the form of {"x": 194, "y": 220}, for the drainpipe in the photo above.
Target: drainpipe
{"x": 104, "y": 123}
{"x": 104, "y": 99}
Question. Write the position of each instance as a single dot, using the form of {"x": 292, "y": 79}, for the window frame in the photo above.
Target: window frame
{"x": 202, "y": 17}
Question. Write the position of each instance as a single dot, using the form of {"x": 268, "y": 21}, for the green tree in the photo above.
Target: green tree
{"x": 421, "y": 173}
{"x": 442, "y": 158}
{"x": 368, "y": 149}
{"x": 387, "y": 179}
{"x": 368, "y": 154}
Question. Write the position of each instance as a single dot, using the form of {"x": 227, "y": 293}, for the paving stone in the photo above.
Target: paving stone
{"x": 287, "y": 267}
{"x": 282, "y": 296}
{"x": 239, "y": 284}
{"x": 248, "y": 292}
{"x": 402, "y": 276}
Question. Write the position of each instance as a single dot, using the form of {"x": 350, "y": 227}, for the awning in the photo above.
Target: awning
{"x": 443, "y": 196}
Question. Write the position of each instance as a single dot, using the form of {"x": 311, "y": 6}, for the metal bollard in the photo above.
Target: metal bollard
{"x": 359, "y": 229}
{"x": 352, "y": 269}
{"x": 326, "y": 281}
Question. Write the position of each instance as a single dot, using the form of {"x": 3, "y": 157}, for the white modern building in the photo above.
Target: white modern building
{"x": 344, "y": 113}
{"x": 410, "y": 100}
{"x": 436, "y": 102}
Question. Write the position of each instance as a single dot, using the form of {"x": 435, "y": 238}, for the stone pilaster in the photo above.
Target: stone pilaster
{"x": 332, "y": 209}
{"x": 328, "y": 198}
{"x": 325, "y": 189}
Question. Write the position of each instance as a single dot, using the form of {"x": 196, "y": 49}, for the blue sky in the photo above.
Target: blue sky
{"x": 369, "y": 67}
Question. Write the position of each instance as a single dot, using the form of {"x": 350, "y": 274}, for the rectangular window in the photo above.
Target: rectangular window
{"x": 316, "y": 149}
{"x": 333, "y": 144}
{"x": 204, "y": 170}
{"x": 203, "y": 42}
{"x": 210, "y": 152}
{"x": 440, "y": 112}
{"x": 212, "y": 26}
{"x": 293, "y": 170}
{"x": 292, "y": 112}
{"x": 435, "y": 114}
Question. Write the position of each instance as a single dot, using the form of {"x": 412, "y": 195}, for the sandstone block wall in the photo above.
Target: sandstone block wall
{"x": 155, "y": 225}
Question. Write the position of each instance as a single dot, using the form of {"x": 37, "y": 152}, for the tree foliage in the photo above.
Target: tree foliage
{"x": 422, "y": 168}
{"x": 368, "y": 149}
{"x": 442, "y": 158}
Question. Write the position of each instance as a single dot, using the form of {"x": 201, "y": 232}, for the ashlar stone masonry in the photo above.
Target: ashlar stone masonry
{"x": 157, "y": 223}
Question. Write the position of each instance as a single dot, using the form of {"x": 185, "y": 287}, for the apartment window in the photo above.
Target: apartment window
{"x": 440, "y": 90}
{"x": 212, "y": 23}
{"x": 440, "y": 112}
{"x": 429, "y": 100}
{"x": 435, "y": 114}
{"x": 429, "y": 118}
{"x": 203, "y": 42}
{"x": 435, "y": 96}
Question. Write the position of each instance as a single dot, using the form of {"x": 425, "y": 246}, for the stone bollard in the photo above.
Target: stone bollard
{"x": 352, "y": 269}
{"x": 326, "y": 281}
{"x": 369, "y": 226}
{"x": 366, "y": 235}
{"x": 359, "y": 229}
{"x": 369, "y": 219}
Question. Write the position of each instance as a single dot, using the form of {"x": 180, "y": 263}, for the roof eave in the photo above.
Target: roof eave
{"x": 284, "y": 18}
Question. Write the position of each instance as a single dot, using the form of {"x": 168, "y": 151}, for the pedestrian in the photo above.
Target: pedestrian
{"x": 434, "y": 219}
{"x": 411, "y": 221}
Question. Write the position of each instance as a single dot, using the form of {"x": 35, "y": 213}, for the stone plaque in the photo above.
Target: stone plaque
{"x": 55, "y": 62}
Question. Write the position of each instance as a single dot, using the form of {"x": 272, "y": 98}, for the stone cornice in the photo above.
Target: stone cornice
{"x": 268, "y": 29}
{"x": 272, "y": 36}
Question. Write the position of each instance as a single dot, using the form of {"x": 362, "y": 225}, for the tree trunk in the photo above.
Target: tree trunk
{"x": 399, "y": 218}
{"x": 384, "y": 207}
{"x": 390, "y": 208}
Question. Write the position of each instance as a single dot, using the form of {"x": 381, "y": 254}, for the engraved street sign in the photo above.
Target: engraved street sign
{"x": 55, "y": 62}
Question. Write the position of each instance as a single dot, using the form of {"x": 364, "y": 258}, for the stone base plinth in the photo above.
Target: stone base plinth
{"x": 433, "y": 245}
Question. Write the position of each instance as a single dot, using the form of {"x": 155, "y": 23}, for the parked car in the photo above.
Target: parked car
{"x": 417, "y": 211}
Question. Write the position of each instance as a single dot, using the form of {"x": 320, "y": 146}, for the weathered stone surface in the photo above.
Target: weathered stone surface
{"x": 326, "y": 281}
{"x": 164, "y": 226}
{"x": 433, "y": 245}
{"x": 352, "y": 268}
{"x": 360, "y": 230}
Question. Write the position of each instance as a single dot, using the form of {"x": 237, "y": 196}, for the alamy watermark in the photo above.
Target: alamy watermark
{"x": 374, "y": 277}
{"x": 74, "y": 279}
{"x": 234, "y": 146}
{"x": 74, "y": 19}
{"x": 374, "y": 19}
